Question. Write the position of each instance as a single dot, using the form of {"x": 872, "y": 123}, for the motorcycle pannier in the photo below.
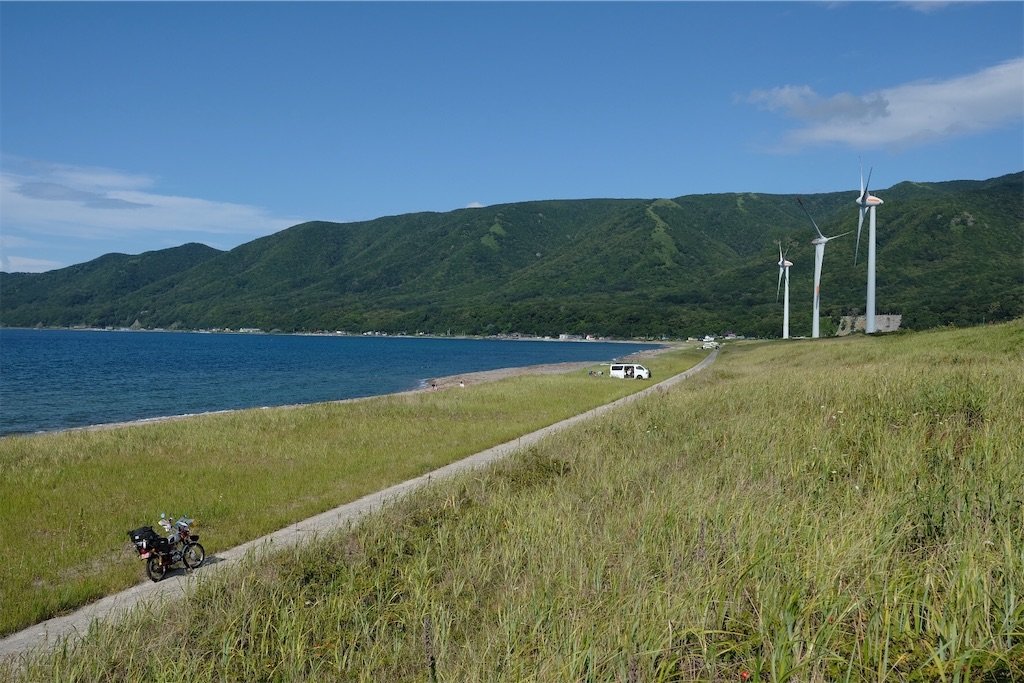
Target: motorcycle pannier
{"x": 144, "y": 533}
{"x": 152, "y": 539}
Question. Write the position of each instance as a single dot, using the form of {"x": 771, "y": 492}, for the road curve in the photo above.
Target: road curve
{"x": 76, "y": 624}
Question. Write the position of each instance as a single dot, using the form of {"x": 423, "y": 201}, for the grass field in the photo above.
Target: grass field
{"x": 835, "y": 510}
{"x": 68, "y": 499}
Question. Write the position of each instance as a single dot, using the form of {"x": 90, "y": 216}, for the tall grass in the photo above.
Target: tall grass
{"x": 68, "y": 499}
{"x": 806, "y": 511}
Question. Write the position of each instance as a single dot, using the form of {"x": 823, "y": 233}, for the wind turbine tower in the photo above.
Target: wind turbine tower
{"x": 784, "y": 268}
{"x": 867, "y": 203}
{"x": 819, "y": 243}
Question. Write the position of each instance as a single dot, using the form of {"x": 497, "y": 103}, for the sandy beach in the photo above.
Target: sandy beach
{"x": 434, "y": 384}
{"x": 466, "y": 379}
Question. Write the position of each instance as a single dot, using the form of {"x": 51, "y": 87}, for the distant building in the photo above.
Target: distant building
{"x": 849, "y": 324}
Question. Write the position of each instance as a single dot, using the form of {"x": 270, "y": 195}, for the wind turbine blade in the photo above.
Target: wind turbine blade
{"x": 779, "y": 288}
{"x": 842, "y": 234}
{"x": 860, "y": 224}
{"x": 864, "y": 194}
{"x": 809, "y": 216}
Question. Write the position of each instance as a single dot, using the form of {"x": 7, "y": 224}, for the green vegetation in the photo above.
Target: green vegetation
{"x": 805, "y": 511}
{"x": 948, "y": 253}
{"x": 69, "y": 498}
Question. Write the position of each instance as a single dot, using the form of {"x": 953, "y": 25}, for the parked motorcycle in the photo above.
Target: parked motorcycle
{"x": 162, "y": 553}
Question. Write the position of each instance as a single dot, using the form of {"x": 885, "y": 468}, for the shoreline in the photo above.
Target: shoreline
{"x": 542, "y": 369}
{"x": 73, "y": 625}
{"x": 426, "y": 385}
{"x": 271, "y": 333}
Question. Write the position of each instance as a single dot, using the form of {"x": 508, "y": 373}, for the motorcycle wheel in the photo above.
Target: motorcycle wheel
{"x": 155, "y": 569}
{"x": 193, "y": 555}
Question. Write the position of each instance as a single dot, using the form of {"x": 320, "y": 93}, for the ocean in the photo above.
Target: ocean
{"x": 60, "y": 379}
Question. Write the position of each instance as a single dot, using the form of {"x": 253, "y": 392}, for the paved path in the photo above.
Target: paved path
{"x": 73, "y": 625}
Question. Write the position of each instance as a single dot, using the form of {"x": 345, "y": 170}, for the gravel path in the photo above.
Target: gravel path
{"x": 177, "y": 583}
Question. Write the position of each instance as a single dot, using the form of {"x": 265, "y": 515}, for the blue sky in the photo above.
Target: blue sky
{"x": 128, "y": 127}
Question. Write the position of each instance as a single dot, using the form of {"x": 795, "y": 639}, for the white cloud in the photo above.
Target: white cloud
{"x": 62, "y": 200}
{"x": 928, "y": 6}
{"x": 57, "y": 214}
{"x": 85, "y": 177}
{"x": 18, "y": 264}
{"x": 801, "y": 102}
{"x": 474, "y": 205}
{"x": 910, "y": 114}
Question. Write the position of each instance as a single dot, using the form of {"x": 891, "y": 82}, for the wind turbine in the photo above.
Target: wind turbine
{"x": 819, "y": 243}
{"x": 784, "y": 267}
{"x": 867, "y": 202}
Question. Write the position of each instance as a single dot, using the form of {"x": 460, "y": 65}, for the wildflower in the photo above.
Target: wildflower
{"x": 745, "y": 675}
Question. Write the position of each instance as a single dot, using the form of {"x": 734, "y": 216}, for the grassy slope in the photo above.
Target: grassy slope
{"x": 947, "y": 253}
{"x": 809, "y": 511}
{"x": 69, "y": 498}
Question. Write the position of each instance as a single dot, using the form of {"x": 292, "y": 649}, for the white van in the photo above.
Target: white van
{"x": 629, "y": 371}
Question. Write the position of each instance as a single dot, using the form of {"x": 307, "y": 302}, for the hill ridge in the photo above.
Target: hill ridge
{"x": 679, "y": 266}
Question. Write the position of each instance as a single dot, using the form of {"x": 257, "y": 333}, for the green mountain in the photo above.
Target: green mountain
{"x": 948, "y": 253}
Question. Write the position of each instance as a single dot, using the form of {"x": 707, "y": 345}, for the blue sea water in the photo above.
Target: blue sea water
{"x": 59, "y": 379}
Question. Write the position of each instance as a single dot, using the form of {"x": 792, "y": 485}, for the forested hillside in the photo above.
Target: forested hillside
{"x": 947, "y": 253}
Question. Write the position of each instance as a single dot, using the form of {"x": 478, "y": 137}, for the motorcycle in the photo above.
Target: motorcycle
{"x": 160, "y": 553}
